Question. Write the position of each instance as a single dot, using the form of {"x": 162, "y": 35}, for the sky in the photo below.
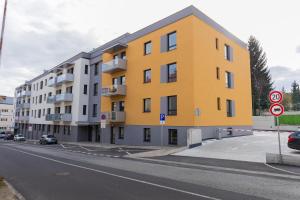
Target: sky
{"x": 43, "y": 33}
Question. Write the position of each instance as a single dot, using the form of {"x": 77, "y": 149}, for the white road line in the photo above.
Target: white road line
{"x": 86, "y": 148}
{"x": 282, "y": 169}
{"x": 118, "y": 176}
{"x": 63, "y": 146}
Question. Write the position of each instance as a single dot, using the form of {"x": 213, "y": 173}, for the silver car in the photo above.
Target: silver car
{"x": 48, "y": 139}
{"x": 19, "y": 137}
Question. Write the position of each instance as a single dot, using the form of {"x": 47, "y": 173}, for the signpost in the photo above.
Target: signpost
{"x": 276, "y": 109}
{"x": 162, "y": 119}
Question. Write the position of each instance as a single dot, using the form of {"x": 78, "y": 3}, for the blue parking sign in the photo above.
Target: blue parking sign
{"x": 162, "y": 118}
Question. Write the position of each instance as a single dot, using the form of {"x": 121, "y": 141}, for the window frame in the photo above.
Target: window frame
{"x": 145, "y": 48}
{"x": 171, "y": 112}
{"x": 145, "y": 79}
{"x": 121, "y": 136}
{"x": 170, "y": 137}
{"x": 229, "y": 108}
{"x": 174, "y": 46}
{"x": 171, "y": 79}
{"x": 84, "y": 107}
{"x": 144, "y": 105}
{"x": 147, "y": 139}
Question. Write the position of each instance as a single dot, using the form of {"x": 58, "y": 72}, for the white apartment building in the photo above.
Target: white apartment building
{"x": 63, "y": 101}
{"x": 6, "y": 114}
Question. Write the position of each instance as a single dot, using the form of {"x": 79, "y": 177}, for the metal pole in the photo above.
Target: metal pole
{"x": 2, "y": 30}
{"x": 161, "y": 135}
{"x": 279, "y": 144}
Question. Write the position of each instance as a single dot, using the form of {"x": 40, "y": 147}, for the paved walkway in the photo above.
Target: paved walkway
{"x": 247, "y": 148}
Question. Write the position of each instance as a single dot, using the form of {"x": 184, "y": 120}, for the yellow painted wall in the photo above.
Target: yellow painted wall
{"x": 196, "y": 84}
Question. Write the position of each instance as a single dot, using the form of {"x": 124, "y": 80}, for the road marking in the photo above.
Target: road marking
{"x": 86, "y": 148}
{"x": 63, "y": 146}
{"x": 118, "y": 176}
{"x": 282, "y": 169}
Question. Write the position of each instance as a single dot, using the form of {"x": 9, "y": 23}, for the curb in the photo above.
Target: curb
{"x": 272, "y": 158}
{"x": 14, "y": 191}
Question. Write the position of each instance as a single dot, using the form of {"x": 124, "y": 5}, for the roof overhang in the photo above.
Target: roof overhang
{"x": 114, "y": 48}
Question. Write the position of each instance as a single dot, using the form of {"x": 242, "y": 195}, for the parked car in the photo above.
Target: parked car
{"x": 294, "y": 140}
{"x": 19, "y": 137}
{"x": 2, "y": 135}
{"x": 9, "y": 136}
{"x": 48, "y": 139}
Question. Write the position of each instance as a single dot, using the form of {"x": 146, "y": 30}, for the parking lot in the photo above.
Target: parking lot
{"x": 89, "y": 149}
{"x": 246, "y": 148}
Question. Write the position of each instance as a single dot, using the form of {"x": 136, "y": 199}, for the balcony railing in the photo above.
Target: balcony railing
{"x": 59, "y": 117}
{"x": 115, "y": 116}
{"x": 23, "y": 105}
{"x": 114, "y": 90}
{"x": 114, "y": 65}
{"x": 65, "y": 97}
{"x": 23, "y": 118}
{"x": 59, "y": 80}
{"x": 26, "y": 93}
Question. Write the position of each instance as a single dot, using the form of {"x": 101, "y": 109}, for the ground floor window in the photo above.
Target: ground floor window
{"x": 147, "y": 134}
{"x": 121, "y": 133}
{"x": 172, "y": 136}
{"x": 67, "y": 130}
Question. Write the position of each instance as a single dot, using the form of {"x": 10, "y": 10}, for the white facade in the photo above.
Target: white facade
{"x": 6, "y": 116}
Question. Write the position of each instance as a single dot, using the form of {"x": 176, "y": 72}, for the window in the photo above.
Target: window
{"x": 48, "y": 111}
{"x": 227, "y": 52}
{"x": 147, "y": 76}
{"x": 122, "y": 80}
{"x": 147, "y": 105}
{"x": 70, "y": 70}
{"x": 114, "y": 106}
{"x": 32, "y": 99}
{"x": 46, "y": 82}
{"x": 39, "y": 113}
{"x": 115, "y": 81}
{"x": 172, "y": 136}
{"x": 40, "y": 98}
{"x": 57, "y": 110}
{"x": 68, "y": 109}
{"x": 67, "y": 130}
{"x": 41, "y": 85}
{"x": 229, "y": 108}
{"x": 147, "y": 134}
{"x": 95, "y": 106}
{"x": 172, "y": 105}
{"x": 121, "y": 105}
{"x": 96, "y": 69}
{"x": 84, "y": 110}
{"x": 218, "y": 73}
{"x": 123, "y": 55}
{"x": 147, "y": 48}
{"x": 217, "y": 43}
{"x": 69, "y": 90}
{"x": 58, "y": 91}
{"x": 85, "y": 89}
{"x": 121, "y": 133}
{"x": 218, "y": 103}
{"x": 86, "y": 69}
{"x": 172, "y": 72}
{"x": 44, "y": 112}
{"x": 171, "y": 41}
{"x": 228, "y": 80}
{"x": 95, "y": 89}
{"x": 45, "y": 96}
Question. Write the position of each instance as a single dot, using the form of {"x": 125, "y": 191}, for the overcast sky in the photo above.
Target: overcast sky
{"x": 42, "y": 33}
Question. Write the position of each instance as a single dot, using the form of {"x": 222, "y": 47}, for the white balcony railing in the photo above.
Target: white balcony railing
{"x": 114, "y": 65}
{"x": 51, "y": 82}
{"x": 115, "y": 116}
{"x": 114, "y": 90}
{"x": 64, "y": 78}
{"x": 26, "y": 93}
{"x": 59, "y": 117}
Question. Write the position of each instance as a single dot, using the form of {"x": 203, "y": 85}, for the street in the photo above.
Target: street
{"x": 43, "y": 172}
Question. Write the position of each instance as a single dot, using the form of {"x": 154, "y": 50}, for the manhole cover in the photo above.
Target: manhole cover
{"x": 62, "y": 174}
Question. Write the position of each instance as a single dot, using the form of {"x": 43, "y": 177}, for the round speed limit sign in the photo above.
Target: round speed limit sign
{"x": 275, "y": 96}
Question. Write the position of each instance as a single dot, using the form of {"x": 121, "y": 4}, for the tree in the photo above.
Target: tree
{"x": 287, "y": 100}
{"x": 295, "y": 96}
{"x": 261, "y": 81}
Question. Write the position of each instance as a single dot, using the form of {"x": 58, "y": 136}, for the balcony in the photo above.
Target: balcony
{"x": 23, "y": 105}
{"x": 114, "y": 90}
{"x": 24, "y": 118}
{"x": 114, "y": 65}
{"x": 115, "y": 116}
{"x": 51, "y": 82}
{"x": 64, "y": 78}
{"x": 59, "y": 117}
{"x": 25, "y": 93}
{"x": 65, "y": 97}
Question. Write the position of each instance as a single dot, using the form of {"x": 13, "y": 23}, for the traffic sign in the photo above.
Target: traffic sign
{"x": 276, "y": 109}
{"x": 162, "y": 118}
{"x": 275, "y": 96}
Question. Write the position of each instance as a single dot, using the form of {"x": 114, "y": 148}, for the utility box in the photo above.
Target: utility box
{"x": 194, "y": 137}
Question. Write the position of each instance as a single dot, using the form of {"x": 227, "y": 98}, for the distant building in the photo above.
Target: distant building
{"x": 6, "y": 113}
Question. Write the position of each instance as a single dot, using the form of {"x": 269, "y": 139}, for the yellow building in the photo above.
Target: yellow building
{"x": 185, "y": 66}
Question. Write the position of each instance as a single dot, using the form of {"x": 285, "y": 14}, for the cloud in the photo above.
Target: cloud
{"x": 298, "y": 49}
{"x": 284, "y": 76}
{"x": 40, "y": 42}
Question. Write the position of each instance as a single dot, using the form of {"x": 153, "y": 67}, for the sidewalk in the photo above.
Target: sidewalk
{"x": 7, "y": 192}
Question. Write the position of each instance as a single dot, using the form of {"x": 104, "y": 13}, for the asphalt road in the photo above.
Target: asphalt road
{"x": 38, "y": 172}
